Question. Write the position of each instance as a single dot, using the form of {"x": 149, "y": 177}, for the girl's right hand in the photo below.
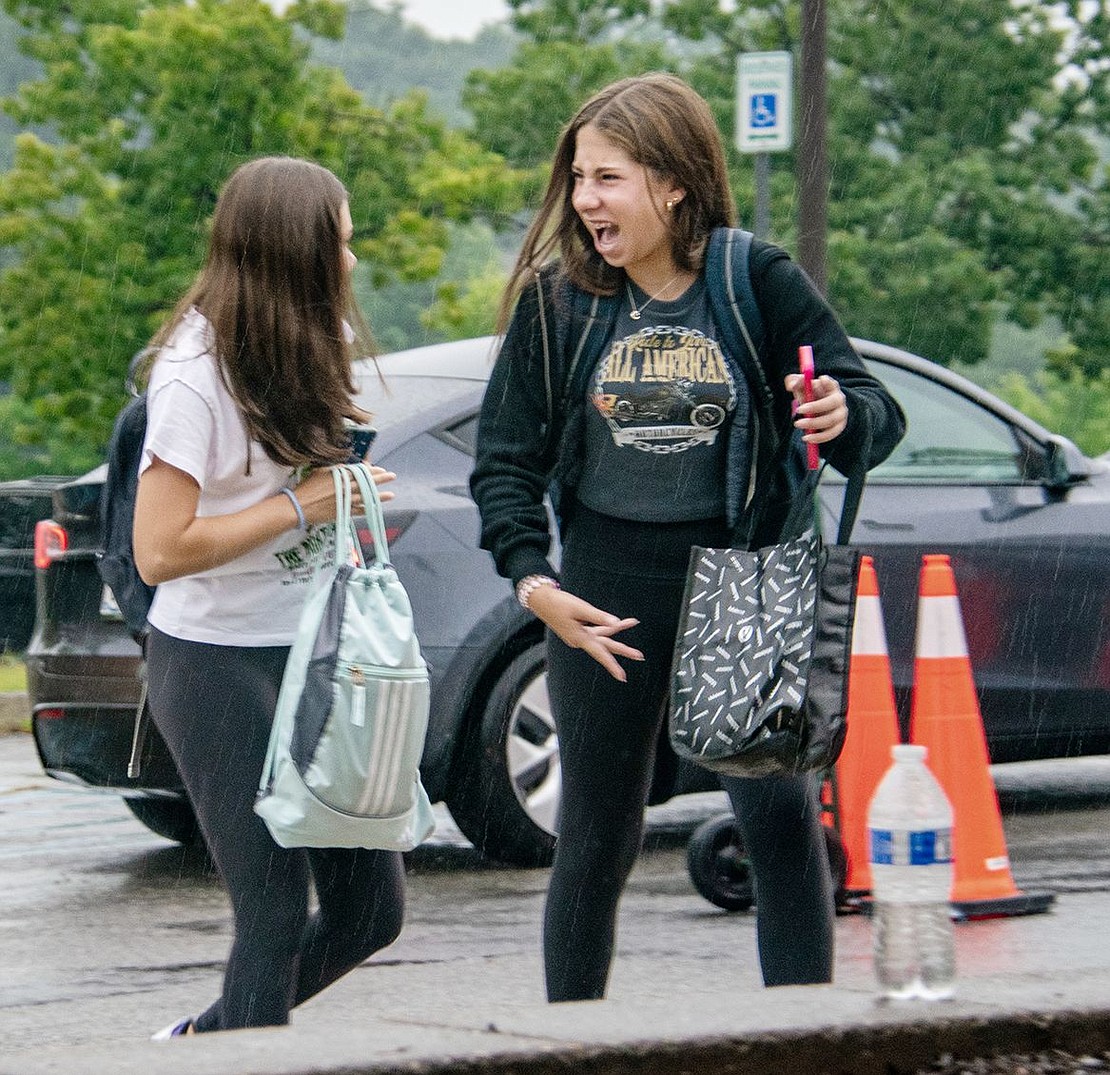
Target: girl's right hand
{"x": 581, "y": 626}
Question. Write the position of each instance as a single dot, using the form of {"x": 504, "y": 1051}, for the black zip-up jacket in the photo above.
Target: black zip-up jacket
{"x": 529, "y": 431}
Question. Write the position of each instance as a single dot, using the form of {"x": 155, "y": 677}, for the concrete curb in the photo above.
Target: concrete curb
{"x": 609, "y": 1038}
{"x": 15, "y": 712}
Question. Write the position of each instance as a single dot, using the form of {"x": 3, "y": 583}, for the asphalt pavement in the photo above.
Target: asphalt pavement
{"x": 1025, "y": 985}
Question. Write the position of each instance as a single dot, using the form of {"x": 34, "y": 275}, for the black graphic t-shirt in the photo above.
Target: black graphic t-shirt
{"x": 659, "y": 407}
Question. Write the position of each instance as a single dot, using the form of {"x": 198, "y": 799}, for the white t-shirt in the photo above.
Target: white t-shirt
{"x": 195, "y": 425}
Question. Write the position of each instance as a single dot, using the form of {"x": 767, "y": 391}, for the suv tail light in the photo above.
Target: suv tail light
{"x": 51, "y": 541}
{"x": 396, "y": 523}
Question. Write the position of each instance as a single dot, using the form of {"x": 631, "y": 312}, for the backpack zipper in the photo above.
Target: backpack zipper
{"x": 356, "y": 675}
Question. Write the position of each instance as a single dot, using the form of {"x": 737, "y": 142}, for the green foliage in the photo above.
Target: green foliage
{"x": 383, "y": 57}
{"x": 1068, "y": 403}
{"x": 460, "y": 302}
{"x": 14, "y": 69}
{"x": 153, "y": 106}
{"x": 575, "y": 21}
{"x": 963, "y": 180}
{"x": 13, "y": 674}
{"x": 520, "y": 109}
{"x": 469, "y": 309}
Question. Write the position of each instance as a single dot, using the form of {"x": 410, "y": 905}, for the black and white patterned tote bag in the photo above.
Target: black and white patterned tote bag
{"x": 760, "y": 678}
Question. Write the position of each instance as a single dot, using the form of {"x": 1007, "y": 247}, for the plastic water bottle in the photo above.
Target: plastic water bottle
{"x": 910, "y": 830}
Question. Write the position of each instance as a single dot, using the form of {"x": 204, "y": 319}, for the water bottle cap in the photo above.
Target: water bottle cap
{"x": 909, "y": 752}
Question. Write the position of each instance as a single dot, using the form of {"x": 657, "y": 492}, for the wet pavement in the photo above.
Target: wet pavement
{"x": 110, "y": 933}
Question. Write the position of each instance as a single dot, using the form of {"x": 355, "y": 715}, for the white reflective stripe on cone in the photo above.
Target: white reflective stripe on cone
{"x": 868, "y": 634}
{"x": 940, "y": 628}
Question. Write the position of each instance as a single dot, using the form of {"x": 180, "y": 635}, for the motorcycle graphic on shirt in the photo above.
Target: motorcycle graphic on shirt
{"x": 664, "y": 390}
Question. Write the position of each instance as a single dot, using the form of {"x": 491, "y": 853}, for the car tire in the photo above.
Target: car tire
{"x": 172, "y": 818}
{"x": 506, "y": 797}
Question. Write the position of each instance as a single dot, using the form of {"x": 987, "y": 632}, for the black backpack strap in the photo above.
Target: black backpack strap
{"x": 735, "y": 310}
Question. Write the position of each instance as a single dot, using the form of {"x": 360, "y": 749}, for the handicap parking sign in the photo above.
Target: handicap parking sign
{"x": 764, "y": 110}
{"x": 763, "y": 101}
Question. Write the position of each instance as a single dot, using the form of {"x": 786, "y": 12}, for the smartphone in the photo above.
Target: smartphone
{"x": 805, "y": 365}
{"x": 361, "y": 439}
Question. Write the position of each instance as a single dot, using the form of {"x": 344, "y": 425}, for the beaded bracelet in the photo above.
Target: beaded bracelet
{"x": 302, "y": 522}
{"x": 530, "y": 583}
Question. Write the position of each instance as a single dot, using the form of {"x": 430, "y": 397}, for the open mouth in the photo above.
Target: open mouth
{"x": 605, "y": 235}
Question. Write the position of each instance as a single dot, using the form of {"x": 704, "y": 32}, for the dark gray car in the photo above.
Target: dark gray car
{"x": 1024, "y": 515}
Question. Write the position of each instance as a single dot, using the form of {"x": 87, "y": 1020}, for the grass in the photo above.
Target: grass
{"x": 13, "y": 676}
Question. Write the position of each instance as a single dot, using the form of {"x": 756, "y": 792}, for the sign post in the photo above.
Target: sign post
{"x": 764, "y": 119}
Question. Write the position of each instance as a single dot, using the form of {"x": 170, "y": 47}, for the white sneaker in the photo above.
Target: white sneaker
{"x": 175, "y": 1030}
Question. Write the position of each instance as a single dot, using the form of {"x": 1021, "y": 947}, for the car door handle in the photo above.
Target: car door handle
{"x": 879, "y": 524}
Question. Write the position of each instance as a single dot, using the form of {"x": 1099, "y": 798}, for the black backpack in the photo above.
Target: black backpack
{"x": 116, "y": 563}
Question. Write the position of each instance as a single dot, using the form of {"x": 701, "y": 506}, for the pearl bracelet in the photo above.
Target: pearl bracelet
{"x": 530, "y": 583}
{"x": 302, "y": 522}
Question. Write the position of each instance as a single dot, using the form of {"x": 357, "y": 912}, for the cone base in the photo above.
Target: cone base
{"x": 1005, "y": 906}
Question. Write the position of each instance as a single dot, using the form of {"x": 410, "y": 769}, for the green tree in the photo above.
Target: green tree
{"x": 1067, "y": 402}
{"x": 964, "y": 181}
{"x": 152, "y": 106}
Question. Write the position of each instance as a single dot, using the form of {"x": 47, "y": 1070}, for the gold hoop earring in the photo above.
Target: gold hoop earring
{"x": 670, "y": 205}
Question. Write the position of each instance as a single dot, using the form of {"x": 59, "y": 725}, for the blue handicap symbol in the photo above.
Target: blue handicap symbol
{"x": 764, "y": 107}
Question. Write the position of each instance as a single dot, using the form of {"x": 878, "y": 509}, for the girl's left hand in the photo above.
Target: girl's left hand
{"x": 382, "y": 477}
{"x": 825, "y": 416}
{"x": 316, "y": 492}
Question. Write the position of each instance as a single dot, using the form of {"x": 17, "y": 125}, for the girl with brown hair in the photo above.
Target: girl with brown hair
{"x": 617, "y": 388}
{"x": 249, "y": 390}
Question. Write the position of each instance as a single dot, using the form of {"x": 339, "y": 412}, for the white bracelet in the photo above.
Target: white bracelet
{"x": 529, "y": 584}
{"x": 302, "y": 522}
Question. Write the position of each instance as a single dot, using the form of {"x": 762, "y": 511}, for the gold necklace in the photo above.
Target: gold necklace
{"x": 636, "y": 311}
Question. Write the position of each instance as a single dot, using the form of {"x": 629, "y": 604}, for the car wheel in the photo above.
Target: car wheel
{"x": 506, "y": 801}
{"x": 172, "y": 818}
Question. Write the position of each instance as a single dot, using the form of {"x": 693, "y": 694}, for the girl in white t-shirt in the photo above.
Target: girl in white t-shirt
{"x": 250, "y": 386}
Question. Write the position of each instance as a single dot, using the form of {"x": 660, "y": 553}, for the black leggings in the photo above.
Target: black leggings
{"x": 214, "y": 706}
{"x": 608, "y": 733}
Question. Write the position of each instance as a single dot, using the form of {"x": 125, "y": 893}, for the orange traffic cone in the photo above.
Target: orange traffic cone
{"x": 872, "y": 727}
{"x": 945, "y": 718}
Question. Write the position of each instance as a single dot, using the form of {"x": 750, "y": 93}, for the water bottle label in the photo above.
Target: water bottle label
{"x": 901, "y": 848}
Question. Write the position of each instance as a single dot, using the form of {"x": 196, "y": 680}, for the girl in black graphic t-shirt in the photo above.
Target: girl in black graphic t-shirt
{"x": 658, "y": 447}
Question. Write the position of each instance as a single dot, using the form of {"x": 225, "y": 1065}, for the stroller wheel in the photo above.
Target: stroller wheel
{"x": 838, "y": 863}
{"x": 718, "y": 864}
{"x": 721, "y": 871}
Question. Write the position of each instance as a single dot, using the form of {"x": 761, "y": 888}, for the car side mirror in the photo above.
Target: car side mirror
{"x": 1065, "y": 464}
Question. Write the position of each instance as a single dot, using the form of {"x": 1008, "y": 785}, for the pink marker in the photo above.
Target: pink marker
{"x": 805, "y": 365}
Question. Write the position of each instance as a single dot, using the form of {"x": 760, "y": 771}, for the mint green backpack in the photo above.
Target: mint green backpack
{"x": 342, "y": 768}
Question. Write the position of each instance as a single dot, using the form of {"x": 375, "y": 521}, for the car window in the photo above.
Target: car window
{"x": 462, "y": 434}
{"x": 949, "y": 439}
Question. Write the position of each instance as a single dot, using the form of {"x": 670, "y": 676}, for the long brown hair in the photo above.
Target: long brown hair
{"x": 664, "y": 126}
{"x": 278, "y": 297}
